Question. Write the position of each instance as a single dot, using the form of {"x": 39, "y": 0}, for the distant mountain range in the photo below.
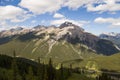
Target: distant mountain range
{"x": 66, "y": 42}
{"x": 114, "y": 37}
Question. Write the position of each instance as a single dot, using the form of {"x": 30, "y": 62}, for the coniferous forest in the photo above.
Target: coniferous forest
{"x": 59, "y": 39}
{"x": 16, "y": 68}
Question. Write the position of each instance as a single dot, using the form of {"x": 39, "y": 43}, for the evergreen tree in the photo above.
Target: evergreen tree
{"x": 51, "y": 71}
{"x": 15, "y": 70}
{"x": 43, "y": 71}
{"x": 61, "y": 72}
{"x": 70, "y": 70}
{"x": 39, "y": 70}
{"x": 45, "y": 76}
{"x": 104, "y": 77}
{"x": 24, "y": 76}
{"x": 30, "y": 75}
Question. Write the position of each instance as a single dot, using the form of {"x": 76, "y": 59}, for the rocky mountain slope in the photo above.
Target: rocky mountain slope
{"x": 114, "y": 37}
{"x": 66, "y": 42}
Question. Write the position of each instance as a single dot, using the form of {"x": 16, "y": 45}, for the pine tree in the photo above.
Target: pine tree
{"x": 61, "y": 73}
{"x": 30, "y": 75}
{"x": 51, "y": 71}
{"x": 39, "y": 70}
{"x": 45, "y": 77}
{"x": 70, "y": 70}
{"x": 14, "y": 67}
{"x": 43, "y": 71}
{"x": 24, "y": 76}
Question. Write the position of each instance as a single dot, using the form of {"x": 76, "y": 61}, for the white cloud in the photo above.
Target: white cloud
{"x": 17, "y": 14}
{"x": 58, "y": 15}
{"x": 102, "y": 5}
{"x": 105, "y": 5}
{"x": 75, "y": 4}
{"x": 33, "y": 21}
{"x": 114, "y": 22}
{"x": 3, "y": 25}
{"x": 64, "y": 19}
{"x": 12, "y": 13}
{"x": 42, "y": 6}
{"x": 77, "y": 22}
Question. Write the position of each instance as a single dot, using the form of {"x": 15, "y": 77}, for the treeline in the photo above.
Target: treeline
{"x": 105, "y": 76}
{"x": 20, "y": 69}
{"x": 15, "y": 68}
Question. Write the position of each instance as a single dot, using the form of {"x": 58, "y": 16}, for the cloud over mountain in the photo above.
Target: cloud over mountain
{"x": 12, "y": 13}
{"x": 55, "y": 12}
{"x": 112, "y": 21}
{"x": 59, "y": 19}
{"x": 41, "y": 6}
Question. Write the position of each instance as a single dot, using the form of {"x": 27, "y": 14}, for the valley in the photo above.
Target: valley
{"x": 68, "y": 46}
{"x": 59, "y": 39}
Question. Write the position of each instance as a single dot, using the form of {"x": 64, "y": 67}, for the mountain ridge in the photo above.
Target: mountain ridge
{"x": 68, "y": 41}
{"x": 112, "y": 36}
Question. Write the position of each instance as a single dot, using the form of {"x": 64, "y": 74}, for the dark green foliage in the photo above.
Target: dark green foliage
{"x": 23, "y": 69}
{"x": 61, "y": 73}
{"x": 40, "y": 70}
{"x": 51, "y": 74}
{"x": 30, "y": 75}
{"x": 45, "y": 77}
{"x": 104, "y": 77}
{"x": 5, "y": 61}
{"x": 3, "y": 74}
{"x": 15, "y": 70}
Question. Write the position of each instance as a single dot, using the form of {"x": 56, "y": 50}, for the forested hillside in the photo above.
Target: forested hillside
{"x": 16, "y": 68}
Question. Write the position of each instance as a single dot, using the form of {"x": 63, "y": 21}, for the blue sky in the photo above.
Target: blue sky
{"x": 95, "y": 16}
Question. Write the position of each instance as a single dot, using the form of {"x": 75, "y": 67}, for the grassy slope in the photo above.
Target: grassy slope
{"x": 60, "y": 53}
{"x": 7, "y": 72}
{"x": 109, "y": 62}
{"x": 103, "y": 62}
{"x": 39, "y": 48}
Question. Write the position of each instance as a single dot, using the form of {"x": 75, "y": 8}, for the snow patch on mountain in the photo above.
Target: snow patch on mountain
{"x": 111, "y": 34}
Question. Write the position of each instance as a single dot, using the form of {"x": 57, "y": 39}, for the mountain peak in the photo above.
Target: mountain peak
{"x": 68, "y": 24}
{"x": 112, "y": 34}
{"x": 39, "y": 26}
{"x": 16, "y": 29}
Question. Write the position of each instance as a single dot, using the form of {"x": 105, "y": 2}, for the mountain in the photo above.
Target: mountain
{"x": 114, "y": 37}
{"x": 66, "y": 42}
{"x": 16, "y": 29}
